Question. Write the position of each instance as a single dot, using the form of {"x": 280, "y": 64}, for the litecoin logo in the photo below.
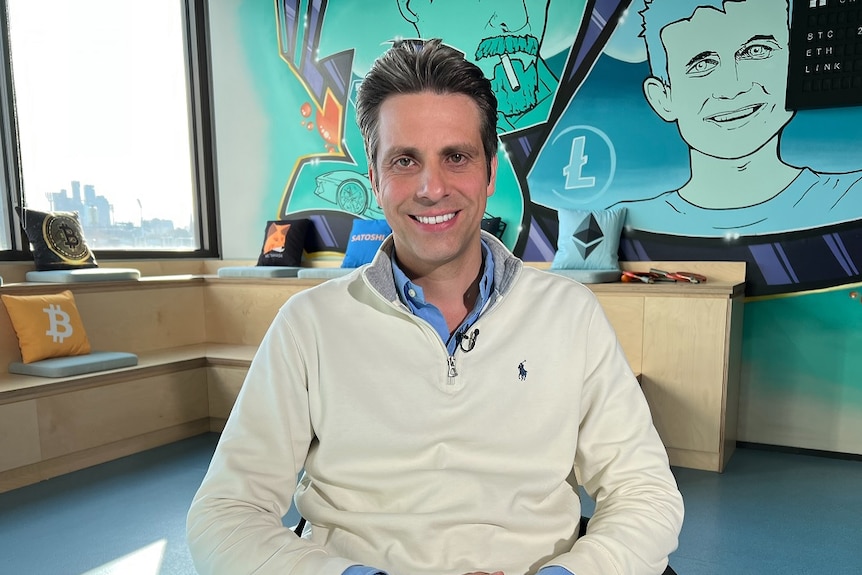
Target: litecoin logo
{"x": 63, "y": 235}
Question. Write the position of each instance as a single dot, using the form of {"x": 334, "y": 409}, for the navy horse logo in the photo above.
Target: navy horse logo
{"x": 522, "y": 371}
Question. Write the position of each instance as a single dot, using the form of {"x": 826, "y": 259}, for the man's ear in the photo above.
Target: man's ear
{"x": 406, "y": 12}
{"x": 492, "y": 182}
{"x": 373, "y": 179}
{"x": 659, "y": 98}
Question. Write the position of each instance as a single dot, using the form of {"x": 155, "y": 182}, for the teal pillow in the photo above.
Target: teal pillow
{"x": 589, "y": 240}
{"x": 365, "y": 238}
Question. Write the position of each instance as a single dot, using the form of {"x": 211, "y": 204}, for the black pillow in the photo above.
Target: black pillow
{"x": 283, "y": 243}
{"x": 57, "y": 239}
{"x": 494, "y": 225}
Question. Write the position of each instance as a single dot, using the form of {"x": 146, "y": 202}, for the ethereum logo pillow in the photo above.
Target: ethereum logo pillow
{"x": 589, "y": 240}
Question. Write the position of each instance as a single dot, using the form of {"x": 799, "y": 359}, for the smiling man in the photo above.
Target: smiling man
{"x": 719, "y": 72}
{"x": 443, "y": 401}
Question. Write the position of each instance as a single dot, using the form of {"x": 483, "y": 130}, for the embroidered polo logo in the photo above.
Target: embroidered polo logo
{"x": 522, "y": 371}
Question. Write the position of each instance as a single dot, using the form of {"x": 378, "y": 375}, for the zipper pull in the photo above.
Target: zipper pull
{"x": 453, "y": 373}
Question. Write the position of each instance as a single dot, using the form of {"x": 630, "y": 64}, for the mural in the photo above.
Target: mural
{"x": 707, "y": 160}
{"x": 672, "y": 108}
{"x": 527, "y": 47}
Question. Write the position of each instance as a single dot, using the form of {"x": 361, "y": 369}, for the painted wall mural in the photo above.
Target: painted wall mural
{"x": 516, "y": 43}
{"x": 671, "y": 108}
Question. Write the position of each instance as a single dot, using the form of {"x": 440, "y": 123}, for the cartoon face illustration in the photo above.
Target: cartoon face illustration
{"x": 726, "y": 76}
{"x": 501, "y": 37}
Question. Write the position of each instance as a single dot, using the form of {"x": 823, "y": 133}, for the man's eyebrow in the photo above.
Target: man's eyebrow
{"x": 401, "y": 151}
{"x": 460, "y": 149}
{"x": 761, "y": 37}
{"x": 699, "y": 57}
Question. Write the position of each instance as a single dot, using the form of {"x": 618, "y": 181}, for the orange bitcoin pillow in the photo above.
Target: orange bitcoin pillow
{"x": 47, "y": 325}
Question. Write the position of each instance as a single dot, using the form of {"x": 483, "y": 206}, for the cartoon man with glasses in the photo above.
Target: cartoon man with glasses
{"x": 719, "y": 71}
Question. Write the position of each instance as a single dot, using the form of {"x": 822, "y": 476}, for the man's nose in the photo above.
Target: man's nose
{"x": 433, "y": 184}
{"x": 732, "y": 81}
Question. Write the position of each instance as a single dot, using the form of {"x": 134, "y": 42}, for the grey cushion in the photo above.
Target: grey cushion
{"x": 258, "y": 272}
{"x": 590, "y": 276}
{"x": 76, "y": 364}
{"x": 84, "y": 275}
{"x": 323, "y": 273}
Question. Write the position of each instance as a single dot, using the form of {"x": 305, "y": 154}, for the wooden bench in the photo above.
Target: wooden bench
{"x": 195, "y": 335}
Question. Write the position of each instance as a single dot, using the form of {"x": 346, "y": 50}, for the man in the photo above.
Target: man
{"x": 442, "y": 400}
{"x": 719, "y": 71}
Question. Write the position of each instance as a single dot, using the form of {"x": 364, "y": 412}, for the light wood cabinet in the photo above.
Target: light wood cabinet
{"x": 685, "y": 342}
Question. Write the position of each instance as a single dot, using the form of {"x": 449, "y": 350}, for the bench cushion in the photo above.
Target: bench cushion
{"x": 258, "y": 271}
{"x": 75, "y": 365}
{"x": 83, "y": 275}
{"x": 323, "y": 273}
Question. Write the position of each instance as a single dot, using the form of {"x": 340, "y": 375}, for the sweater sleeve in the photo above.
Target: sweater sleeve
{"x": 234, "y": 524}
{"x": 623, "y": 466}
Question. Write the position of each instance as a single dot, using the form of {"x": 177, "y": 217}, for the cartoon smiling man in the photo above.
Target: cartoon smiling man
{"x": 719, "y": 72}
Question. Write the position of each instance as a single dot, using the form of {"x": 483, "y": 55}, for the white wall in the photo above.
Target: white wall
{"x": 240, "y": 131}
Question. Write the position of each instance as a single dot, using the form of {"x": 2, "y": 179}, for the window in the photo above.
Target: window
{"x": 106, "y": 112}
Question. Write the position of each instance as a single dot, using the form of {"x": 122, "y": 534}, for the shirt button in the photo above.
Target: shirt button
{"x": 411, "y": 292}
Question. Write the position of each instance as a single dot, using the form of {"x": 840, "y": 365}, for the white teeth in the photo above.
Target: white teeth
{"x": 435, "y": 219}
{"x": 735, "y": 115}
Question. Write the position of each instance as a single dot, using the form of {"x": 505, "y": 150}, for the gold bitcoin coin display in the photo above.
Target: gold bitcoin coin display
{"x": 63, "y": 236}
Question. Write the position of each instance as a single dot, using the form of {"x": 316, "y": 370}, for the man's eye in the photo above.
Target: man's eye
{"x": 403, "y": 162}
{"x": 702, "y": 66}
{"x": 458, "y": 158}
{"x": 755, "y": 52}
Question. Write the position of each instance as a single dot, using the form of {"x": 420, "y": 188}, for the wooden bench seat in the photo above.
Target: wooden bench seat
{"x": 196, "y": 334}
{"x": 53, "y": 426}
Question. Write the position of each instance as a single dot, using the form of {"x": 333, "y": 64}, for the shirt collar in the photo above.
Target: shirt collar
{"x": 413, "y": 297}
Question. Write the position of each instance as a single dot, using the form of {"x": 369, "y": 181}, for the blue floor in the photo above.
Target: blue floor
{"x": 769, "y": 512}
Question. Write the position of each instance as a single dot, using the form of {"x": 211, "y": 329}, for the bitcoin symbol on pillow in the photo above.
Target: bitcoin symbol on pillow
{"x": 57, "y": 319}
{"x": 63, "y": 236}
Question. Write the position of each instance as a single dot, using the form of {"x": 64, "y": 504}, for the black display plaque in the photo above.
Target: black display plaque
{"x": 825, "y": 68}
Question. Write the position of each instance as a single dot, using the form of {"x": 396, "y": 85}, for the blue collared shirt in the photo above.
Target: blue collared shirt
{"x": 414, "y": 298}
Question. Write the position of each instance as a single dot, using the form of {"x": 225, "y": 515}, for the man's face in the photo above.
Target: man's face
{"x": 728, "y": 73}
{"x": 431, "y": 178}
{"x": 501, "y": 37}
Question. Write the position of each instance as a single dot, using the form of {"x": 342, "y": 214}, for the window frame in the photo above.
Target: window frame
{"x": 201, "y": 137}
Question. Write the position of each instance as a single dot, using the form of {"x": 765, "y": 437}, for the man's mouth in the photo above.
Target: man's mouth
{"x": 734, "y": 115}
{"x": 501, "y": 47}
{"x": 434, "y": 219}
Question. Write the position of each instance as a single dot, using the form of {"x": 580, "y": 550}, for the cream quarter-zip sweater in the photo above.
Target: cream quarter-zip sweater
{"x": 421, "y": 463}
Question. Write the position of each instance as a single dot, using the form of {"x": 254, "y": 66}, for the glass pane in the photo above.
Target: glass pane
{"x": 101, "y": 92}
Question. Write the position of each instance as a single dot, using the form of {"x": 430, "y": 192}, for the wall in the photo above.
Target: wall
{"x": 708, "y": 168}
